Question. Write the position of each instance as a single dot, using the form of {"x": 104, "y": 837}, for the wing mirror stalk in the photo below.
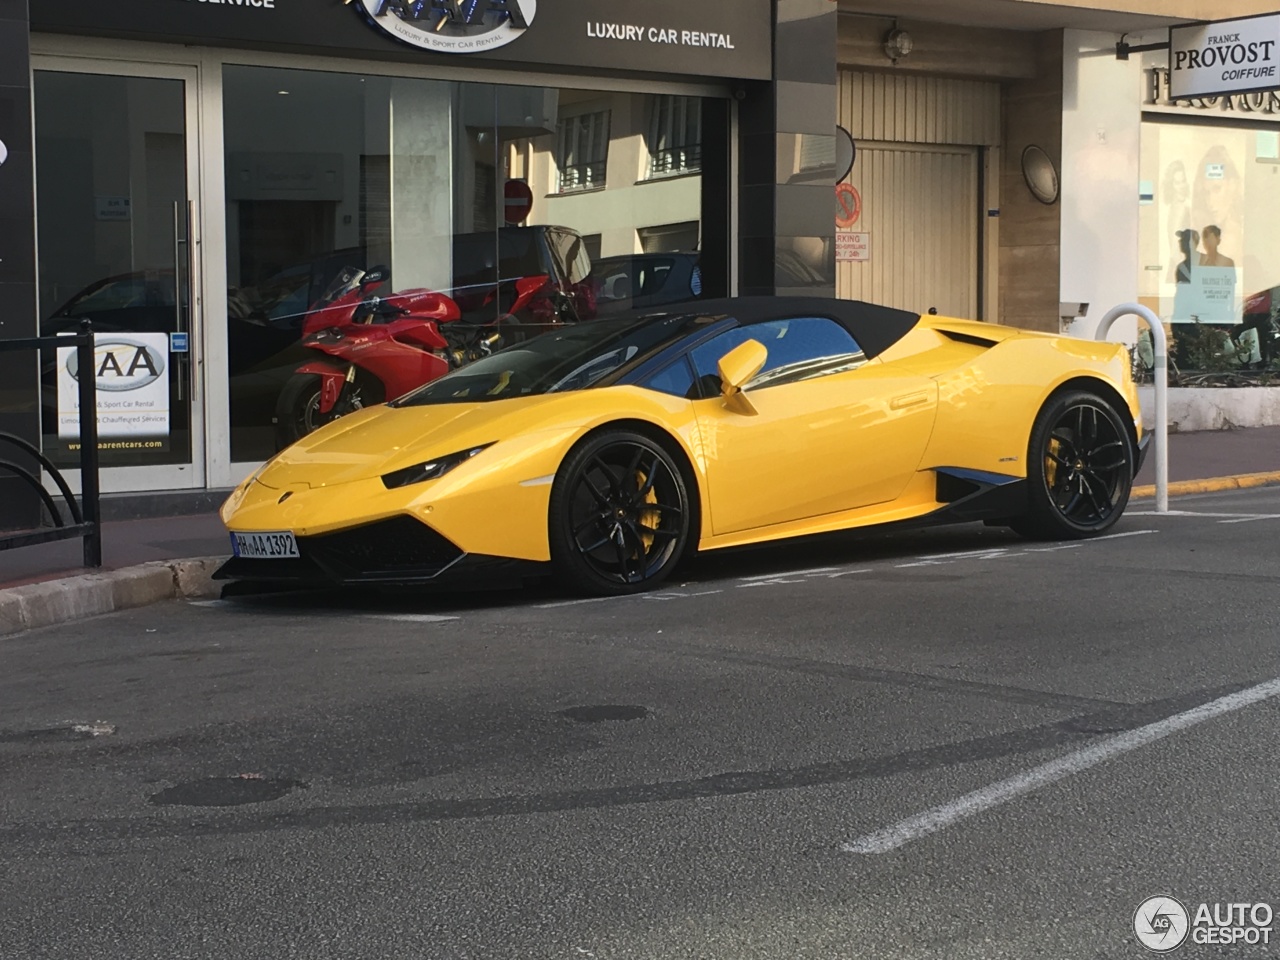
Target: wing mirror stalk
{"x": 736, "y": 368}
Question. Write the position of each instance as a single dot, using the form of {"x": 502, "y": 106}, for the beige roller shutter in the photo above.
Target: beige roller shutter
{"x": 920, "y": 212}
{"x": 920, "y": 142}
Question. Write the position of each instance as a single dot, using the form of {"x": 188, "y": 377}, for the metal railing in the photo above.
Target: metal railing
{"x": 84, "y": 516}
{"x": 1160, "y": 374}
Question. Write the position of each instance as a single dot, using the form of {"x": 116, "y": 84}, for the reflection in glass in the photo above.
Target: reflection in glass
{"x": 330, "y": 173}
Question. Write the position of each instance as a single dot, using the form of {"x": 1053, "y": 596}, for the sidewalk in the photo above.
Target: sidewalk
{"x": 126, "y": 543}
{"x": 1217, "y": 453}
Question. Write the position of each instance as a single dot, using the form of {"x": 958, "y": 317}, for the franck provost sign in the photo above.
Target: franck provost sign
{"x": 1227, "y": 57}
{"x": 707, "y": 38}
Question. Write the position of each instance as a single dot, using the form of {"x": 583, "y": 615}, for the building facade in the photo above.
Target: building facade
{"x": 193, "y": 174}
{"x": 995, "y": 95}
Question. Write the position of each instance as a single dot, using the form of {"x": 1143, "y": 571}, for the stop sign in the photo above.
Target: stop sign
{"x": 517, "y": 201}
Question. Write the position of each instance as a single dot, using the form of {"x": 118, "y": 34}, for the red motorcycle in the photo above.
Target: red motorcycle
{"x": 383, "y": 347}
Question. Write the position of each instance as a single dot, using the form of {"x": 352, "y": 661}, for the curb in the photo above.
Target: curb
{"x": 92, "y": 594}
{"x": 1241, "y": 481}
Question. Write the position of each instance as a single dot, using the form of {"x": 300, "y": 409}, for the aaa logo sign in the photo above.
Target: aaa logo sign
{"x": 452, "y": 26}
{"x": 130, "y": 371}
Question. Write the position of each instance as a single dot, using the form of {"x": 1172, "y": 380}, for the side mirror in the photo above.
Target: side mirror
{"x": 377, "y": 275}
{"x": 740, "y": 364}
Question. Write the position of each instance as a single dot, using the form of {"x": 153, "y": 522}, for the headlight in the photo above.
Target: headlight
{"x": 430, "y": 470}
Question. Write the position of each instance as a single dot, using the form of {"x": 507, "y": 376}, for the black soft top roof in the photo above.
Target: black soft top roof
{"x": 876, "y": 328}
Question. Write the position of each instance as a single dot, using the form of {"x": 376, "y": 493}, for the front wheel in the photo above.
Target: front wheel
{"x": 298, "y": 409}
{"x": 1080, "y": 469}
{"x": 620, "y": 515}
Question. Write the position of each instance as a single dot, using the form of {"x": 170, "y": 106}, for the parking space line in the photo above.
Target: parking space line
{"x": 1210, "y": 514}
{"x": 575, "y": 603}
{"x": 1236, "y": 517}
{"x": 788, "y": 573}
{"x": 940, "y": 817}
{"x": 411, "y": 617}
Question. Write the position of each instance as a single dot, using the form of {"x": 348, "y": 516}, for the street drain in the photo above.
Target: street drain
{"x": 225, "y": 791}
{"x": 605, "y": 712}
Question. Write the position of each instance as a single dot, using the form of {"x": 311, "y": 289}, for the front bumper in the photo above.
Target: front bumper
{"x": 399, "y": 551}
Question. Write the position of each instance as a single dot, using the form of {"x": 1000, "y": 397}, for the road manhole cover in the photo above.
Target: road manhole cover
{"x": 605, "y": 712}
{"x": 225, "y": 791}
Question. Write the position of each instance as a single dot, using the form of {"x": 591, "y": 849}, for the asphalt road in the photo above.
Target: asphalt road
{"x": 1082, "y": 726}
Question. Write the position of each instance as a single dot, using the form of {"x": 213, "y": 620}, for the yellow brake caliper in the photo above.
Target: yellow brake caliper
{"x": 650, "y": 518}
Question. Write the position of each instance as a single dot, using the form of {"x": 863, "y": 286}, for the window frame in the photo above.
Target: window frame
{"x": 700, "y": 378}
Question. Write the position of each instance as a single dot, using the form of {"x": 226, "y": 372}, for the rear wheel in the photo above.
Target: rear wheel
{"x": 1079, "y": 470}
{"x": 619, "y": 519}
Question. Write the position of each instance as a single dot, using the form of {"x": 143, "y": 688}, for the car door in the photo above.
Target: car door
{"x": 830, "y": 431}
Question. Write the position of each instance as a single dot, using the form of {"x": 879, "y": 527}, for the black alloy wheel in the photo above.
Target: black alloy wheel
{"x": 620, "y": 515}
{"x": 1080, "y": 468}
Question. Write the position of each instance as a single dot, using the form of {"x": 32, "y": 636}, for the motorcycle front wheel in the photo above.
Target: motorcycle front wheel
{"x": 298, "y": 409}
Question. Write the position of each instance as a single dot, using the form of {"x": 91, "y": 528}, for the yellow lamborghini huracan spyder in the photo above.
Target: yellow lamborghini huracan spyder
{"x": 605, "y": 451}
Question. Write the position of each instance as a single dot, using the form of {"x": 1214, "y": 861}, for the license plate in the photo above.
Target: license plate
{"x": 264, "y": 546}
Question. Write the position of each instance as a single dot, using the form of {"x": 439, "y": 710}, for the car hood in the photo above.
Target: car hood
{"x": 379, "y": 440}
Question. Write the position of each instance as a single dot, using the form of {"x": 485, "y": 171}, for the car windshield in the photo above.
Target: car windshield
{"x": 575, "y": 358}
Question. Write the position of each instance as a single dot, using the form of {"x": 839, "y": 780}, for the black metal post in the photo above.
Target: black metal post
{"x": 86, "y": 375}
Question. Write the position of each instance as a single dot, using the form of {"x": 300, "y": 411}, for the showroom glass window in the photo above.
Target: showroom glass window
{"x": 1209, "y": 237}
{"x": 333, "y": 172}
{"x": 114, "y": 249}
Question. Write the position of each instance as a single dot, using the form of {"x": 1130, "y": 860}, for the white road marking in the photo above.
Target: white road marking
{"x": 964, "y": 554}
{"x": 942, "y": 559}
{"x": 1210, "y": 515}
{"x": 1120, "y": 536}
{"x": 1002, "y": 791}
{"x": 789, "y": 573}
{"x": 1182, "y": 513}
{"x": 1061, "y": 546}
{"x": 411, "y": 617}
{"x": 575, "y": 603}
{"x": 98, "y": 729}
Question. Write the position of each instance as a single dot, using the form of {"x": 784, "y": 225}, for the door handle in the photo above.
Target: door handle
{"x": 910, "y": 400}
{"x": 179, "y": 320}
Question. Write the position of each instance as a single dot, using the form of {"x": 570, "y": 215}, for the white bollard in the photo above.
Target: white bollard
{"x": 1160, "y": 347}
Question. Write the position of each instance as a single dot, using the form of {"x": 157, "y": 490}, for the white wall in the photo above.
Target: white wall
{"x": 1101, "y": 135}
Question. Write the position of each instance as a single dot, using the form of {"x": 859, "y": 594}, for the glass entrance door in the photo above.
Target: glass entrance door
{"x": 116, "y": 184}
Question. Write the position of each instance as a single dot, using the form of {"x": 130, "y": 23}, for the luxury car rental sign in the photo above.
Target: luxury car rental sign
{"x": 133, "y": 387}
